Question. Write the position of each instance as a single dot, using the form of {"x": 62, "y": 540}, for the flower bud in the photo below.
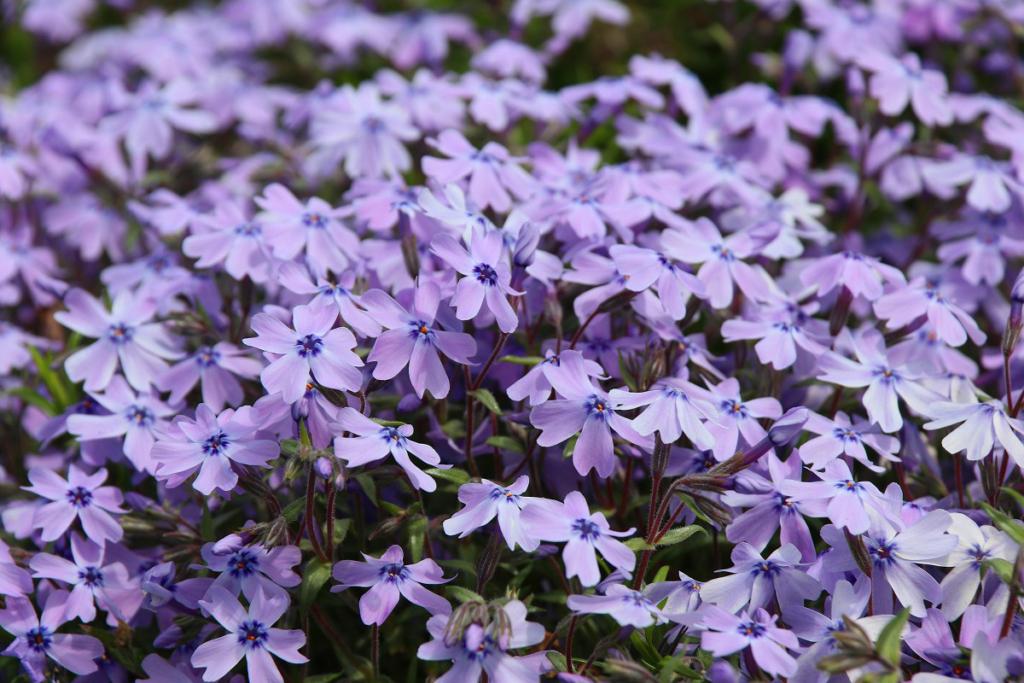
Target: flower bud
{"x": 526, "y": 245}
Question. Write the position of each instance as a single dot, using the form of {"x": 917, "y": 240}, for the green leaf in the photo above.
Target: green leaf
{"x": 1002, "y": 568}
{"x": 206, "y": 531}
{"x": 341, "y": 527}
{"x": 647, "y": 653}
{"x": 891, "y": 638}
{"x": 522, "y": 360}
{"x": 55, "y": 383}
{"x": 369, "y": 487}
{"x": 314, "y": 577}
{"x": 294, "y": 510}
{"x": 487, "y": 399}
{"x": 33, "y": 398}
{"x": 417, "y": 528}
{"x": 323, "y": 678}
{"x": 1004, "y": 522}
{"x": 462, "y": 594}
{"x": 1013, "y": 494}
{"x": 570, "y": 446}
{"x": 454, "y": 429}
{"x": 454, "y": 475}
{"x": 387, "y": 423}
{"x": 671, "y": 537}
{"x": 506, "y": 443}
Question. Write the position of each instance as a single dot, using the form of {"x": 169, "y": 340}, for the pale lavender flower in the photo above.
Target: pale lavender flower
{"x": 491, "y": 171}
{"x": 506, "y": 58}
{"x": 211, "y": 444}
{"x": 487, "y": 277}
{"x": 851, "y": 503}
{"x": 572, "y": 18}
{"x": 412, "y": 339}
{"x": 920, "y": 298}
{"x": 125, "y": 336}
{"x": 735, "y": 417}
{"x": 388, "y": 579}
{"x": 137, "y": 416}
{"x": 583, "y": 533}
{"x": 333, "y": 293}
{"x": 974, "y": 546}
{"x": 843, "y": 436}
{"x": 371, "y": 441}
{"x": 885, "y": 383}
{"x": 231, "y": 238}
{"x": 159, "y": 587}
{"x": 160, "y": 670}
{"x": 80, "y": 496}
{"x": 95, "y": 581}
{"x": 487, "y": 500}
{"x": 984, "y": 424}
{"x": 625, "y": 605}
{"x": 754, "y": 580}
{"x": 36, "y": 639}
{"x": 898, "y": 82}
{"x": 721, "y": 258}
{"x": 860, "y": 274}
{"x": 290, "y": 225}
{"x": 311, "y": 347}
{"x": 725, "y": 633}
{"x": 672, "y": 410}
{"x": 779, "y": 339}
{"x": 251, "y": 634}
{"x": 217, "y": 369}
{"x": 586, "y": 409}
{"x": 478, "y": 649}
{"x": 644, "y": 268}
{"x": 459, "y": 213}
{"x": 251, "y": 569}
{"x": 991, "y": 181}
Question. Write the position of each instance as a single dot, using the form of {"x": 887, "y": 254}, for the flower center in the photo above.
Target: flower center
{"x": 91, "y": 576}
{"x": 586, "y": 529}
{"x": 216, "y": 444}
{"x": 309, "y": 346}
{"x": 140, "y": 416}
{"x": 251, "y": 634}
{"x": 394, "y": 573}
{"x": 119, "y": 333}
{"x": 485, "y": 274}
{"x": 79, "y": 496}
{"x": 39, "y": 639}
{"x": 243, "y": 563}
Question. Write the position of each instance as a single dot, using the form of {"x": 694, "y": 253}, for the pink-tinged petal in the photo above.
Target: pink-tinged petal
{"x": 772, "y": 658}
{"x": 469, "y": 297}
{"x": 384, "y": 309}
{"x": 722, "y": 644}
{"x": 507, "y": 319}
{"x": 593, "y": 448}
{"x": 912, "y": 585}
{"x": 218, "y": 656}
{"x": 215, "y": 474}
{"x": 391, "y": 353}
{"x": 85, "y": 314}
{"x": 458, "y": 346}
{"x": 332, "y": 370}
{"x": 558, "y": 420}
{"x": 418, "y": 477}
{"x": 616, "y": 553}
{"x": 48, "y": 566}
{"x": 54, "y": 519}
{"x": 447, "y": 249}
{"x": 47, "y": 483}
{"x": 274, "y": 335}
{"x": 418, "y": 595}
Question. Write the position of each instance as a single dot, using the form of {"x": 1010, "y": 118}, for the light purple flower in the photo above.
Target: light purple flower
{"x": 411, "y": 339}
{"x": 984, "y": 424}
{"x": 583, "y": 533}
{"x": 862, "y": 275}
{"x": 14, "y": 580}
{"x": 388, "y": 579}
{"x": 885, "y": 383}
{"x": 492, "y": 172}
{"x": 160, "y": 670}
{"x": 754, "y": 580}
{"x": 974, "y": 546}
{"x": 124, "y": 336}
{"x": 898, "y": 82}
{"x": 372, "y": 441}
{"x": 487, "y": 500}
{"x": 231, "y": 238}
{"x": 535, "y": 386}
{"x": 625, "y": 605}
{"x": 211, "y": 444}
{"x": 463, "y": 215}
{"x": 95, "y": 581}
{"x": 991, "y": 181}
{"x": 290, "y": 225}
{"x": 672, "y": 410}
{"x": 36, "y": 639}
{"x": 920, "y": 298}
{"x": 136, "y": 416}
{"x": 337, "y": 294}
{"x": 250, "y": 569}
{"x": 586, "y": 409}
{"x": 217, "y": 369}
{"x": 779, "y": 339}
{"x": 311, "y": 347}
{"x": 480, "y": 649}
{"x": 644, "y": 268}
{"x": 735, "y": 417}
{"x": 841, "y": 436}
{"x": 487, "y": 277}
{"x": 159, "y": 587}
{"x": 80, "y": 496}
{"x": 250, "y": 635}
{"x": 725, "y": 633}
{"x": 851, "y": 503}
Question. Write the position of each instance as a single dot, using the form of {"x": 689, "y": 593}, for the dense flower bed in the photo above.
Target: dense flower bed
{"x": 364, "y": 341}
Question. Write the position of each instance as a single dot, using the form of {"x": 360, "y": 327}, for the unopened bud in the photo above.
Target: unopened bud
{"x": 526, "y": 245}
{"x": 840, "y": 312}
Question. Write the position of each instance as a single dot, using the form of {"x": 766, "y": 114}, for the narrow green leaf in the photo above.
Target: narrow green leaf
{"x": 522, "y": 360}
{"x": 672, "y": 537}
{"x": 314, "y": 577}
{"x": 891, "y": 638}
{"x": 33, "y": 398}
{"x": 294, "y": 510}
{"x": 487, "y": 399}
{"x": 506, "y": 443}
{"x": 647, "y": 653}
{"x": 417, "y": 528}
{"x": 1004, "y": 522}
{"x": 557, "y": 660}
{"x": 206, "y": 524}
{"x": 369, "y": 487}
{"x": 1002, "y": 568}
{"x": 570, "y": 446}
{"x": 341, "y": 528}
{"x": 454, "y": 475}
{"x": 462, "y": 594}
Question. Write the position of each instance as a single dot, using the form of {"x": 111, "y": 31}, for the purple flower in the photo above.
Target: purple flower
{"x": 215, "y": 368}
{"x": 459, "y": 213}
{"x": 851, "y": 503}
{"x": 725, "y": 633}
{"x": 671, "y": 412}
{"x": 80, "y": 496}
{"x": 535, "y": 385}
{"x": 841, "y": 436}
{"x": 984, "y": 424}
{"x": 338, "y": 295}
{"x": 250, "y": 635}
{"x": 412, "y": 340}
{"x": 861, "y": 275}
{"x": 125, "y": 335}
{"x": 736, "y": 417}
{"x": 487, "y": 277}
{"x": 311, "y": 347}
{"x": 231, "y": 238}
{"x": 291, "y": 226}
{"x": 990, "y": 183}
{"x": 136, "y": 416}
{"x": 95, "y": 582}
{"x": 211, "y": 444}
{"x": 36, "y": 639}
{"x": 159, "y": 587}
{"x": 974, "y": 546}
{"x": 583, "y": 533}
{"x": 626, "y": 606}
{"x": 885, "y": 383}
{"x": 779, "y": 339}
{"x": 483, "y": 648}
{"x": 920, "y": 298}
{"x": 389, "y": 578}
{"x": 644, "y": 268}
{"x": 13, "y": 579}
{"x": 492, "y": 171}
{"x": 897, "y": 82}
{"x": 754, "y": 581}
{"x": 251, "y": 569}
{"x": 160, "y": 670}
{"x": 487, "y": 500}
{"x": 373, "y": 441}
{"x": 586, "y": 409}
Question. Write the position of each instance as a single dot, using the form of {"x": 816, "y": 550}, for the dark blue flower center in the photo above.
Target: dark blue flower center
{"x": 586, "y": 529}
{"x": 598, "y": 408}
{"x": 243, "y": 563}
{"x": 91, "y": 576}
{"x": 420, "y": 331}
{"x": 394, "y": 573}
{"x": 766, "y": 568}
{"x": 249, "y": 229}
{"x": 39, "y": 639}
{"x": 119, "y": 333}
{"x": 733, "y": 408}
{"x": 751, "y": 629}
{"x": 882, "y": 552}
{"x": 140, "y": 416}
{"x": 313, "y": 219}
{"x": 79, "y": 496}
{"x": 252, "y": 634}
{"x": 309, "y": 346}
{"x": 206, "y": 357}
{"x": 393, "y": 437}
{"x": 216, "y": 444}
{"x": 845, "y": 434}
{"x": 485, "y": 274}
